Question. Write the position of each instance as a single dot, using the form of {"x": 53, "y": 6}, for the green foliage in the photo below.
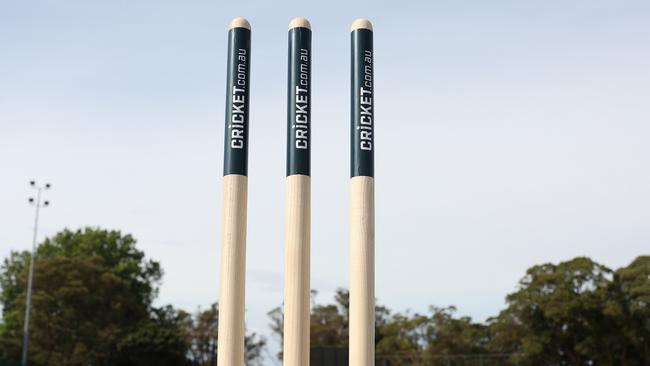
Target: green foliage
{"x": 92, "y": 305}
{"x": 91, "y": 301}
{"x": 158, "y": 340}
{"x": 201, "y": 338}
{"x": 631, "y": 307}
{"x": 447, "y": 335}
{"x": 578, "y": 313}
{"x": 329, "y": 324}
{"x": 399, "y": 338}
{"x": 119, "y": 253}
{"x": 93, "y": 295}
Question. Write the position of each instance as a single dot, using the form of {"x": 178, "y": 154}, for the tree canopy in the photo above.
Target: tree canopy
{"x": 93, "y": 304}
{"x": 576, "y": 312}
{"x": 93, "y": 297}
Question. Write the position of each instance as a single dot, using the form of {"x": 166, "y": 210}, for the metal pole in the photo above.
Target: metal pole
{"x": 28, "y": 306}
{"x": 30, "y": 279}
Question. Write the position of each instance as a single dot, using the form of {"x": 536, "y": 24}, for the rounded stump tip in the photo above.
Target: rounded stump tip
{"x": 361, "y": 23}
{"x": 240, "y": 22}
{"x": 299, "y": 23}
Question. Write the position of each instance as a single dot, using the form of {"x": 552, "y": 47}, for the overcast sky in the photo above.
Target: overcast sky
{"x": 508, "y": 133}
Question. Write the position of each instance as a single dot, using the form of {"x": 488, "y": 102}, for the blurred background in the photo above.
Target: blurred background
{"x": 509, "y": 134}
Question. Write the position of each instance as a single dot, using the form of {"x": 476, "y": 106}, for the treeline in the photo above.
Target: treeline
{"x": 574, "y": 313}
{"x": 94, "y": 292}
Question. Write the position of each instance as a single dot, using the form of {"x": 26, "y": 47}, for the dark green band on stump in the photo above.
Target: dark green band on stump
{"x": 362, "y": 130}
{"x": 299, "y": 102}
{"x": 235, "y": 154}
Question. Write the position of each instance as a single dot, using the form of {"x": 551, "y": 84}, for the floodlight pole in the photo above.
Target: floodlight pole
{"x": 28, "y": 304}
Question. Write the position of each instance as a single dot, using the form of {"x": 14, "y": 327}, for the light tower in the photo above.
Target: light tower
{"x": 28, "y": 305}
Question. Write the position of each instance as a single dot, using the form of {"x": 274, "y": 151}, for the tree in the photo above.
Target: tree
{"x": 449, "y": 335}
{"x": 92, "y": 298}
{"x": 92, "y": 305}
{"x": 201, "y": 338}
{"x": 329, "y": 323}
{"x": 416, "y": 339}
{"x": 577, "y": 313}
{"x": 399, "y": 339}
{"x": 631, "y": 307}
{"x": 329, "y": 326}
{"x": 156, "y": 341}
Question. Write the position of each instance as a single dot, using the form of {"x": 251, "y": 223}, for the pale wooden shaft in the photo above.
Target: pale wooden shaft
{"x": 296, "y": 277}
{"x": 233, "y": 269}
{"x": 362, "y": 271}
